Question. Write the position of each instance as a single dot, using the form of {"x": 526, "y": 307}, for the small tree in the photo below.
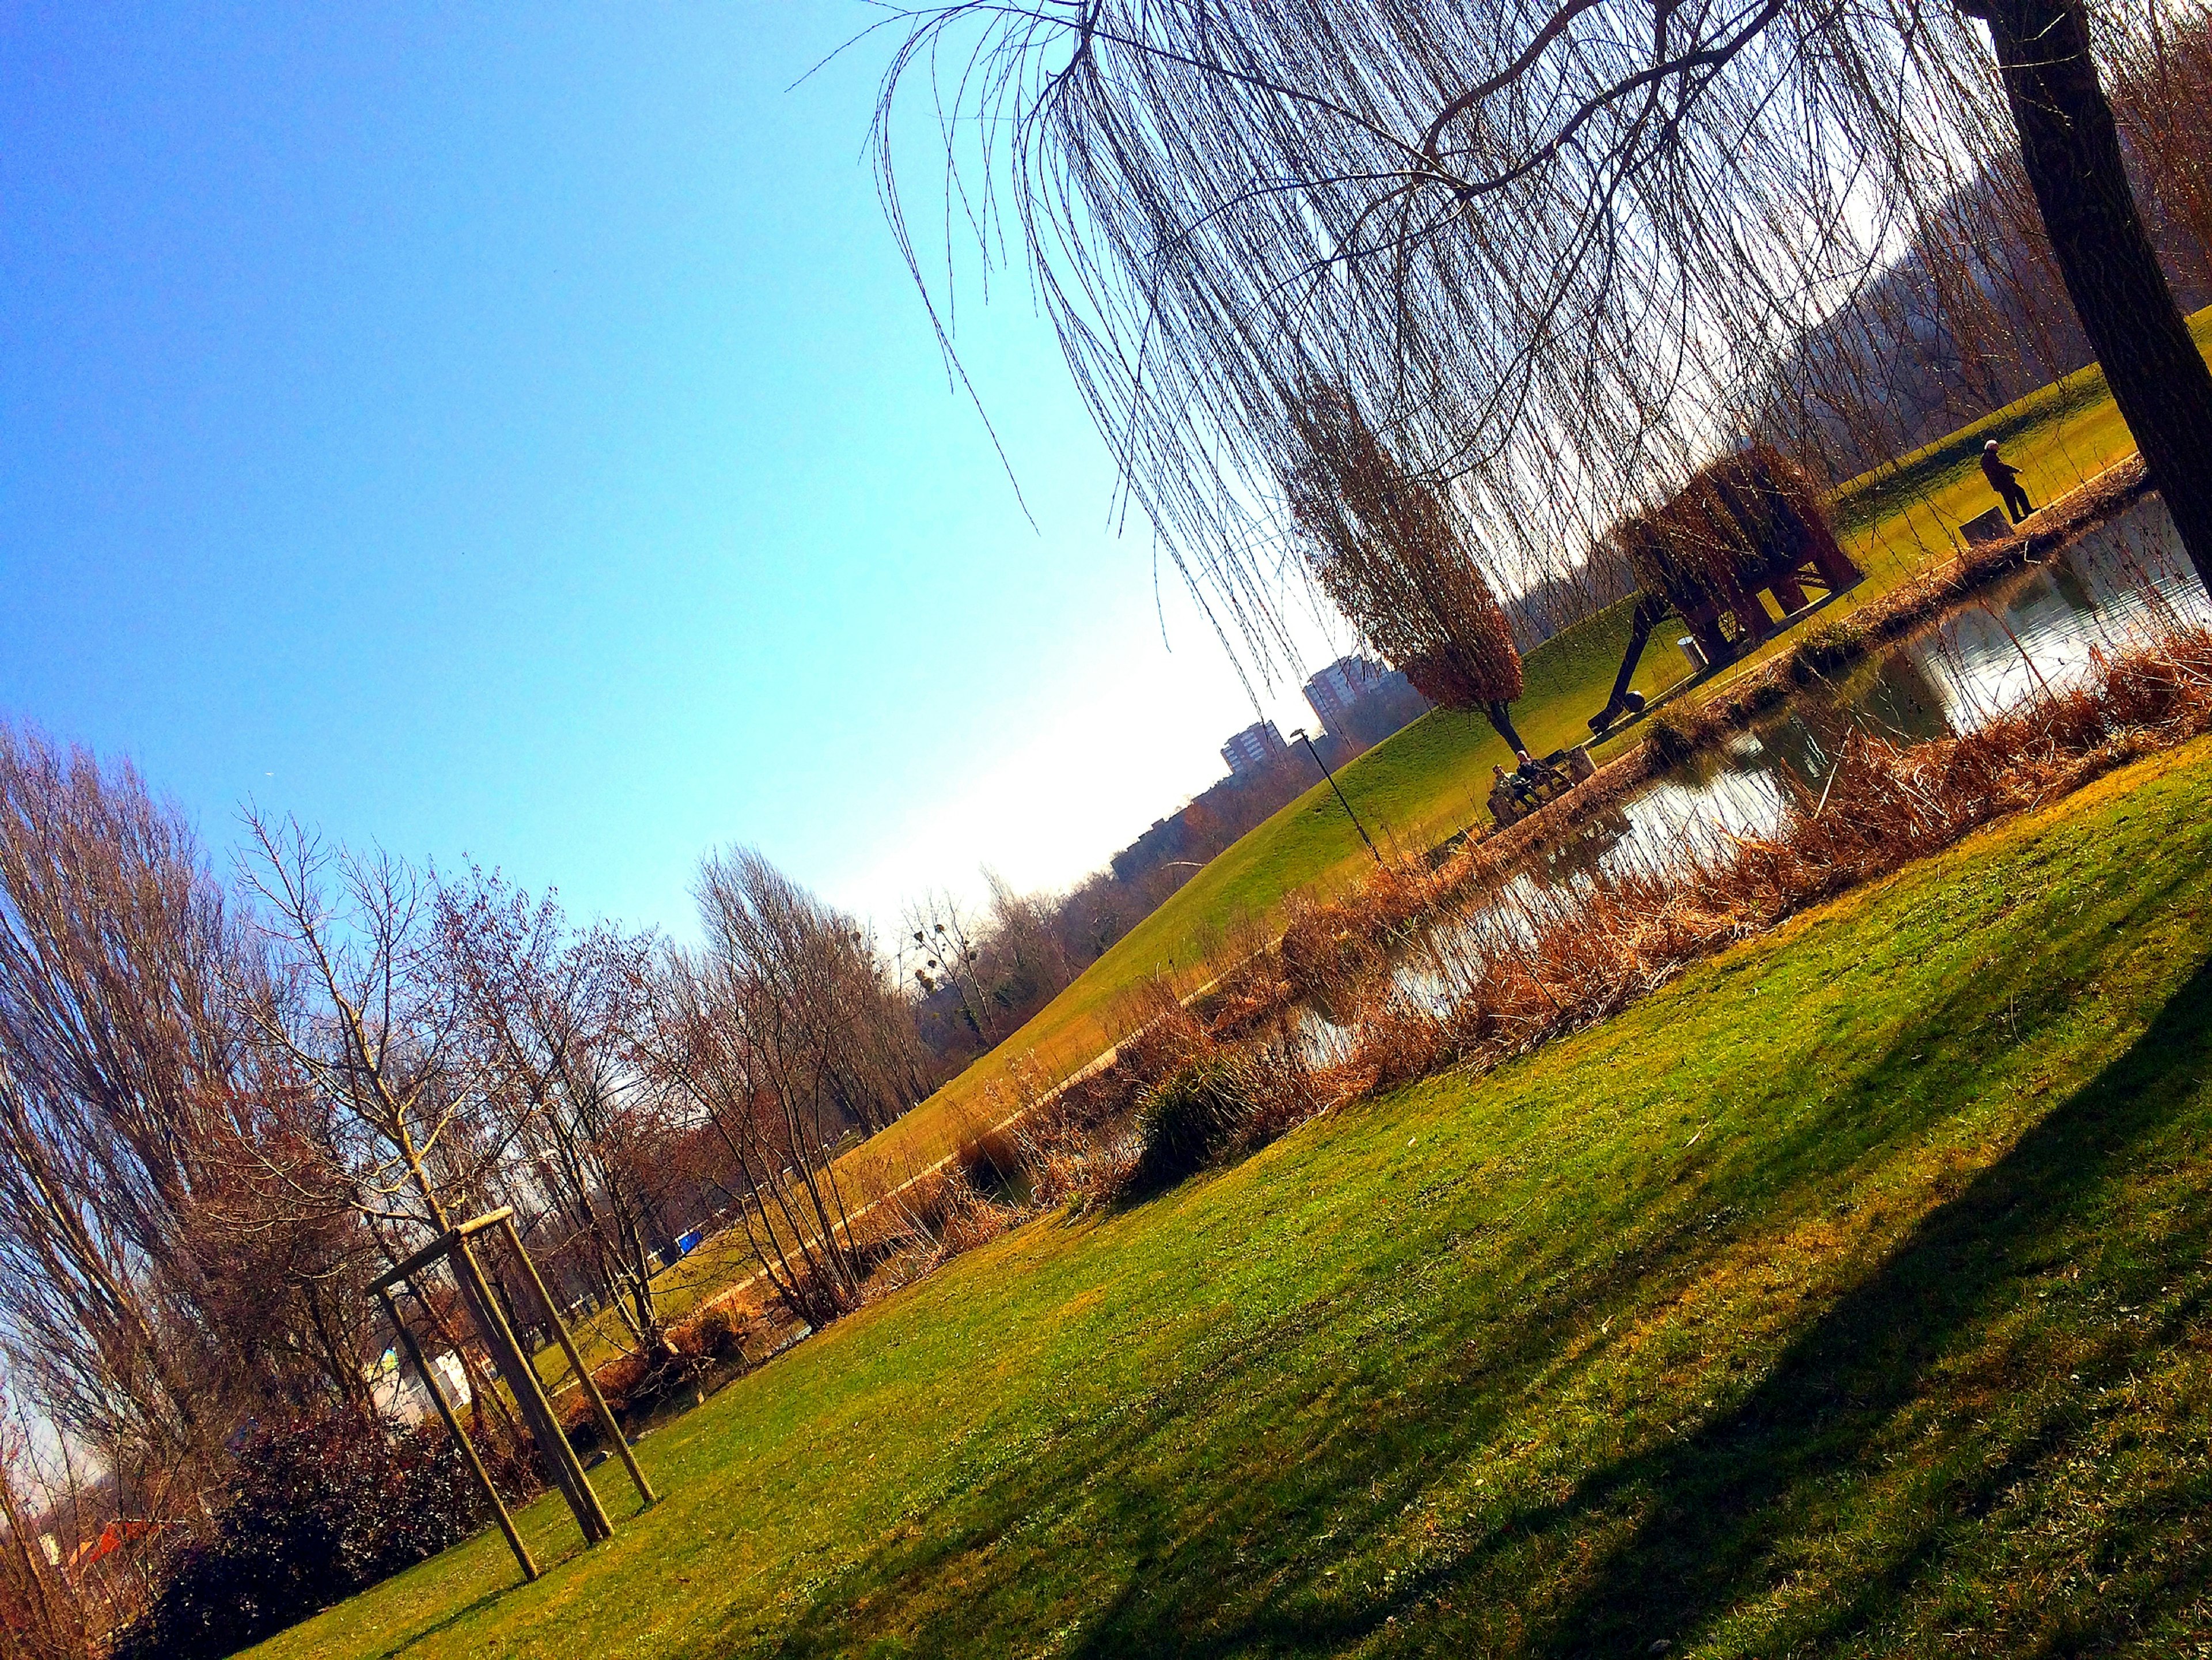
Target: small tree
{"x": 411, "y": 1124}
{"x": 780, "y": 1035}
{"x": 940, "y": 934}
{"x": 1381, "y": 544}
{"x": 551, "y": 1017}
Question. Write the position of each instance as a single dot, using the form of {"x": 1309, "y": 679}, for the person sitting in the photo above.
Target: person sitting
{"x": 1511, "y": 797}
{"x": 2004, "y": 479}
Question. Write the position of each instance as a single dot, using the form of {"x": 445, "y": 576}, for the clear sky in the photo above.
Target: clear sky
{"x": 510, "y": 431}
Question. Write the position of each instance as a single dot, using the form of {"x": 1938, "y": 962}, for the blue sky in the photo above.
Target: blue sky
{"x": 512, "y": 432}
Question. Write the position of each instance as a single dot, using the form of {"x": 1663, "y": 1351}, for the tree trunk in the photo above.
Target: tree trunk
{"x": 1497, "y": 709}
{"x": 2071, "y": 147}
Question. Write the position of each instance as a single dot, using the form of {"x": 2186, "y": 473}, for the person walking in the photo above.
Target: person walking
{"x": 2004, "y": 479}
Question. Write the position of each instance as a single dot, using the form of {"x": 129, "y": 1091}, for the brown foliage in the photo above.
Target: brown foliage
{"x": 1896, "y": 613}
{"x": 1577, "y": 956}
{"x": 171, "y": 1265}
{"x": 1381, "y": 542}
{"x": 1554, "y": 247}
{"x": 783, "y": 1036}
{"x": 1736, "y": 521}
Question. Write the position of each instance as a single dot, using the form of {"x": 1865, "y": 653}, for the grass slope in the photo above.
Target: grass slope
{"x": 1847, "y": 1296}
{"x": 1430, "y": 780}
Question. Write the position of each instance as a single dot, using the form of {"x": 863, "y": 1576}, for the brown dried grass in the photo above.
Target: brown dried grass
{"x": 1580, "y": 955}
{"x": 1683, "y": 731}
{"x": 1521, "y": 971}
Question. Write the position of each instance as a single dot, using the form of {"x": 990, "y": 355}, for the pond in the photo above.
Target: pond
{"x": 2115, "y": 588}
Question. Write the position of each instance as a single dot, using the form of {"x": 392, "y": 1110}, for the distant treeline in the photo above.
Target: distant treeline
{"x": 979, "y": 975}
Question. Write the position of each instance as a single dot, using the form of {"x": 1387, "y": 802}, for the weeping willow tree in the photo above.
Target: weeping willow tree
{"x": 1741, "y": 522}
{"x": 1554, "y": 248}
{"x": 1382, "y": 546}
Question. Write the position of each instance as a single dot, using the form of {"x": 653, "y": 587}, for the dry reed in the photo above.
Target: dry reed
{"x": 1511, "y": 967}
{"x": 1513, "y": 977}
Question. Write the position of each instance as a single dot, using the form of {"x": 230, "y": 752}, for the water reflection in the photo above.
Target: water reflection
{"x": 2114, "y": 590}
{"x": 2041, "y": 630}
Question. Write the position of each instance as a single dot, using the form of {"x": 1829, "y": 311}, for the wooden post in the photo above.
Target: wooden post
{"x": 1787, "y": 594}
{"x": 454, "y": 1428}
{"x": 513, "y": 1364}
{"x": 607, "y": 1424}
{"x": 567, "y": 1469}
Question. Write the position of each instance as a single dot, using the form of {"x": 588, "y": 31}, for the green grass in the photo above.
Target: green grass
{"x": 1430, "y": 781}
{"x": 1422, "y": 785}
{"x": 1847, "y": 1296}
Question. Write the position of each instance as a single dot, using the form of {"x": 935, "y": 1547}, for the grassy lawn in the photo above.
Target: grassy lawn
{"x": 1847, "y": 1296}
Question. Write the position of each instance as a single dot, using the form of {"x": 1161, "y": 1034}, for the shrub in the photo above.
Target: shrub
{"x": 1188, "y": 1117}
{"x": 719, "y": 1334}
{"x": 1280, "y": 1094}
{"x": 991, "y": 1160}
{"x": 1824, "y": 648}
{"x": 320, "y": 1510}
{"x": 627, "y": 1381}
{"x": 1161, "y": 1036}
{"x": 1669, "y": 738}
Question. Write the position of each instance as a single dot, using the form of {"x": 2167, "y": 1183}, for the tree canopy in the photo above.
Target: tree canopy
{"x": 1555, "y": 251}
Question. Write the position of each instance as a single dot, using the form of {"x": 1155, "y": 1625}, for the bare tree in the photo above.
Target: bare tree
{"x": 2161, "y": 86}
{"x": 783, "y": 1034}
{"x": 42, "y": 1617}
{"x": 948, "y": 942}
{"x": 372, "y": 1026}
{"x": 1032, "y": 963}
{"x": 1551, "y": 247}
{"x": 551, "y": 1017}
{"x": 149, "y": 1305}
{"x": 405, "y": 1121}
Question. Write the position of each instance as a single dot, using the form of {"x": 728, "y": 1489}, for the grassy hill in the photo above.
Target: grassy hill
{"x": 1430, "y": 780}
{"x": 1845, "y": 1296}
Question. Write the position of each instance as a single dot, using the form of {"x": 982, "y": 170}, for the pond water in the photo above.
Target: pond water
{"x": 2114, "y": 589}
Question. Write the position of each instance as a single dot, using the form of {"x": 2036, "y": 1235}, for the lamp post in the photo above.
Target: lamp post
{"x": 1300, "y": 734}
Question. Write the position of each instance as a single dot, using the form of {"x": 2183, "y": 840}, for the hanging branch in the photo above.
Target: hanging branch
{"x": 1564, "y": 252}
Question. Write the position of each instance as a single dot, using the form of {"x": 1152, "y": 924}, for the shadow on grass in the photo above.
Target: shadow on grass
{"x": 439, "y": 1627}
{"x": 554, "y": 1558}
{"x": 1702, "y": 1526}
{"x": 1678, "y": 1535}
{"x": 1710, "y": 1501}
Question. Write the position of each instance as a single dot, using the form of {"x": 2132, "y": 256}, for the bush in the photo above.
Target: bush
{"x": 1670, "y": 738}
{"x": 1189, "y": 1117}
{"x": 638, "y": 1385}
{"x": 718, "y": 1335}
{"x": 319, "y": 1511}
{"x": 1826, "y": 648}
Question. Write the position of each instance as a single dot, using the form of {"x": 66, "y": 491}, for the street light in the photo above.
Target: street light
{"x": 1300, "y": 734}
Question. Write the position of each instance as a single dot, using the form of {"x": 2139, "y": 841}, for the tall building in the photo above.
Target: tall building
{"x": 1252, "y": 748}
{"x": 1342, "y": 684}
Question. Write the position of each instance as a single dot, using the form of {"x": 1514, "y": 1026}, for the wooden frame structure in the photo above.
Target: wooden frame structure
{"x": 1746, "y": 524}
{"x": 513, "y": 1367}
